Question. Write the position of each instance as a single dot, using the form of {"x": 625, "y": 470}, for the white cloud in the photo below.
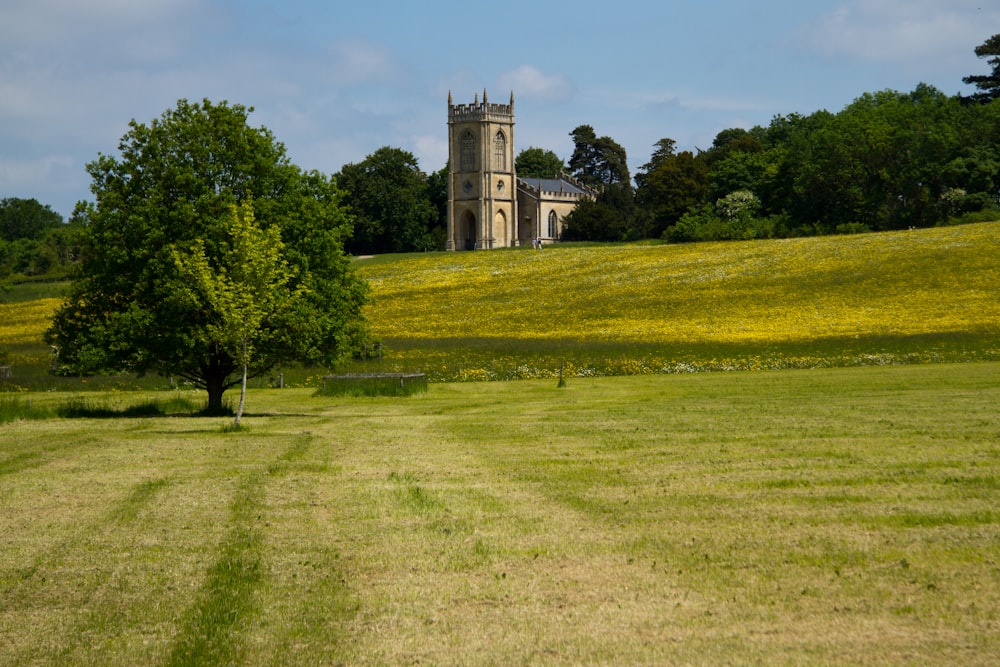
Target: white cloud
{"x": 926, "y": 34}
{"x": 533, "y": 83}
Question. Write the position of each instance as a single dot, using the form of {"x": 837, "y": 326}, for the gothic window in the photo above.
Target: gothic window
{"x": 500, "y": 151}
{"x": 552, "y": 225}
{"x": 468, "y": 149}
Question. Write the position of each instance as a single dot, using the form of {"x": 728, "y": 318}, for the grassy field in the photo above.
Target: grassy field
{"x": 917, "y": 296}
{"x": 832, "y": 516}
{"x": 844, "y": 514}
{"x": 906, "y": 297}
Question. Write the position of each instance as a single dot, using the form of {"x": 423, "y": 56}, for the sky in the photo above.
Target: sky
{"x": 334, "y": 80}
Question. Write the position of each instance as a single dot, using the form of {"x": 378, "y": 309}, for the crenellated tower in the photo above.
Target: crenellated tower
{"x": 482, "y": 185}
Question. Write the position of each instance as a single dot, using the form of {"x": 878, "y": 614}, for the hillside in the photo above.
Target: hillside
{"x": 921, "y": 295}
{"x": 904, "y": 297}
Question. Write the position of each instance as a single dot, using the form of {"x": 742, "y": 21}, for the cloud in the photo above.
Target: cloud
{"x": 359, "y": 61}
{"x": 530, "y": 82}
{"x": 70, "y": 22}
{"x": 927, "y": 34}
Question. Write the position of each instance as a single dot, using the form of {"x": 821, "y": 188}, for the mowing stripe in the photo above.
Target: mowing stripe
{"x": 212, "y": 632}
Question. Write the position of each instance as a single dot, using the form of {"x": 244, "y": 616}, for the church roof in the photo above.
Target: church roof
{"x": 553, "y": 185}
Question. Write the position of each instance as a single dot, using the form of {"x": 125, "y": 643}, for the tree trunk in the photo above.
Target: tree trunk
{"x": 216, "y": 371}
{"x": 215, "y": 388}
{"x": 243, "y": 386}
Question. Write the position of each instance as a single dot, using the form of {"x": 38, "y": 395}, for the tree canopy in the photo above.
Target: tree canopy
{"x": 535, "y": 162}
{"x": 988, "y": 85}
{"x": 390, "y": 200}
{"x": 26, "y": 219}
{"x": 172, "y": 192}
{"x": 597, "y": 160}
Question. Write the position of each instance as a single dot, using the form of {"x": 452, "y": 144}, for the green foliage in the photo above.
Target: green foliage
{"x": 597, "y": 160}
{"x": 245, "y": 285}
{"x": 172, "y": 188}
{"x": 611, "y": 216}
{"x": 13, "y": 408}
{"x": 374, "y": 384}
{"x": 392, "y": 203}
{"x": 26, "y": 219}
{"x": 535, "y": 162}
{"x": 988, "y": 85}
{"x": 888, "y": 160}
{"x": 80, "y": 407}
{"x": 42, "y": 248}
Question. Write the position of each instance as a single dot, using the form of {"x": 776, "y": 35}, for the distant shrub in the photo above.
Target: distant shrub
{"x": 13, "y": 409}
{"x": 373, "y": 384}
{"x": 85, "y": 408}
{"x": 972, "y": 217}
{"x": 853, "y": 228}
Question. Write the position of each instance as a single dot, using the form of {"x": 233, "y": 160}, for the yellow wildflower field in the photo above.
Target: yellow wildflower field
{"x": 902, "y": 284}
{"x": 642, "y": 307}
{"x": 24, "y": 323}
{"x": 904, "y": 297}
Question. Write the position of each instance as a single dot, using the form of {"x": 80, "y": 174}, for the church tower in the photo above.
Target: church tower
{"x": 482, "y": 185}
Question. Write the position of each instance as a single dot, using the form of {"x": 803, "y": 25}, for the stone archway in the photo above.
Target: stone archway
{"x": 500, "y": 231}
{"x": 468, "y": 226}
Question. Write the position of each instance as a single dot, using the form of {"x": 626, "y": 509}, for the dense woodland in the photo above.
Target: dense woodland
{"x": 888, "y": 160}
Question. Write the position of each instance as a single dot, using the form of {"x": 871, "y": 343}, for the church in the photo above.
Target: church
{"x": 488, "y": 205}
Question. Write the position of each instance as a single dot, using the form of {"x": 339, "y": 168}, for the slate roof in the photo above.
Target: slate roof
{"x": 552, "y": 185}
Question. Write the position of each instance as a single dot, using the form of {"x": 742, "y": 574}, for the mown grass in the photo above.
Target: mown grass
{"x": 829, "y": 516}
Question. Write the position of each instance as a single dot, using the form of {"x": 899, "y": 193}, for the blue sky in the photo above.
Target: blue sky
{"x": 334, "y": 81}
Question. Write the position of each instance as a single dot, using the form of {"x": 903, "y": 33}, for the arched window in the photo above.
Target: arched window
{"x": 553, "y": 232}
{"x": 500, "y": 151}
{"x": 467, "y": 146}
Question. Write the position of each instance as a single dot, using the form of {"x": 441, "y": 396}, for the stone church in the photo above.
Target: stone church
{"x": 488, "y": 205}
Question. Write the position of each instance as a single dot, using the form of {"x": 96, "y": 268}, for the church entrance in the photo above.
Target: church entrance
{"x": 470, "y": 230}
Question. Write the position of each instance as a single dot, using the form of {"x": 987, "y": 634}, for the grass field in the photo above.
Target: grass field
{"x": 840, "y": 507}
{"x": 832, "y": 516}
{"x": 917, "y": 296}
{"x": 906, "y": 297}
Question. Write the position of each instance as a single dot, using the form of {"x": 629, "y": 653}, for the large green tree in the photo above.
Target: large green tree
{"x": 390, "y": 199}
{"x": 535, "y": 162}
{"x": 988, "y": 85}
{"x": 172, "y": 190}
{"x": 597, "y": 160}
{"x": 26, "y": 219}
{"x": 674, "y": 184}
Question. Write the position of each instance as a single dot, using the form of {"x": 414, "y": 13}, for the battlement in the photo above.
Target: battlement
{"x": 479, "y": 110}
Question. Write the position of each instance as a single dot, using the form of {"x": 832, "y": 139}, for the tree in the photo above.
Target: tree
{"x": 171, "y": 192}
{"x": 26, "y": 219}
{"x": 243, "y": 286}
{"x": 389, "y": 197}
{"x": 677, "y": 183}
{"x": 597, "y": 160}
{"x": 663, "y": 150}
{"x": 538, "y": 163}
{"x": 987, "y": 84}
{"x": 437, "y": 193}
{"x": 611, "y": 216}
